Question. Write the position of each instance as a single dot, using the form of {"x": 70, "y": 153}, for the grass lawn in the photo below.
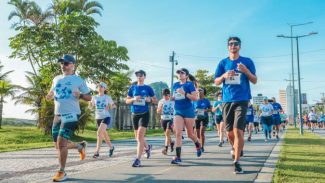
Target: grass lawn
{"x": 302, "y": 158}
{"x": 14, "y": 138}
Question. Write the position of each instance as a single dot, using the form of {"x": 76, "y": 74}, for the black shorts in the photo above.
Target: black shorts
{"x": 106, "y": 121}
{"x": 313, "y": 121}
{"x": 256, "y": 124}
{"x": 140, "y": 119}
{"x": 201, "y": 122}
{"x": 234, "y": 115}
{"x": 166, "y": 124}
{"x": 219, "y": 119}
{"x": 268, "y": 120}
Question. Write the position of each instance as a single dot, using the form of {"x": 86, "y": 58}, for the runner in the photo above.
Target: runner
{"x": 183, "y": 94}
{"x": 277, "y": 109}
{"x": 313, "y": 119}
{"x": 166, "y": 109}
{"x": 217, "y": 109}
{"x": 235, "y": 72}
{"x": 139, "y": 96}
{"x": 103, "y": 103}
{"x": 256, "y": 122}
{"x": 266, "y": 111}
{"x": 322, "y": 120}
{"x": 250, "y": 120}
{"x": 283, "y": 117}
{"x": 202, "y": 107}
{"x": 66, "y": 91}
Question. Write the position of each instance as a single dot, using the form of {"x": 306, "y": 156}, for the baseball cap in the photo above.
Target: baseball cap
{"x": 140, "y": 72}
{"x": 183, "y": 70}
{"x": 265, "y": 98}
{"x": 67, "y": 58}
{"x": 102, "y": 84}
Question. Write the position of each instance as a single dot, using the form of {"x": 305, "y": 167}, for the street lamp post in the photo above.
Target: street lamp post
{"x": 293, "y": 75}
{"x": 299, "y": 85}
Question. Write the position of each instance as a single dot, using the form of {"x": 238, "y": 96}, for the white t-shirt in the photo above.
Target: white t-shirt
{"x": 267, "y": 109}
{"x": 312, "y": 116}
{"x": 167, "y": 109}
{"x": 64, "y": 100}
{"x": 101, "y": 102}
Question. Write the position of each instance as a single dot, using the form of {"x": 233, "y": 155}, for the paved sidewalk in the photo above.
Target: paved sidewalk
{"x": 215, "y": 165}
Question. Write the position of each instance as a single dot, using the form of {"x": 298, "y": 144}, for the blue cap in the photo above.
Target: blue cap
{"x": 265, "y": 98}
{"x": 67, "y": 58}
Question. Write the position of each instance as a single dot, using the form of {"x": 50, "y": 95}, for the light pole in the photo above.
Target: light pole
{"x": 173, "y": 61}
{"x": 293, "y": 75}
{"x": 299, "y": 85}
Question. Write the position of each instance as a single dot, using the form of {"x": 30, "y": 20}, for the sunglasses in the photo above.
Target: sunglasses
{"x": 65, "y": 63}
{"x": 234, "y": 44}
{"x": 181, "y": 72}
{"x": 139, "y": 75}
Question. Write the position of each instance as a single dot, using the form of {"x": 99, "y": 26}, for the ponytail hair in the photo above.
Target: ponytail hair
{"x": 193, "y": 79}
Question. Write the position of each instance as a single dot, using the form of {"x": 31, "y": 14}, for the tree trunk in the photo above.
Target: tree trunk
{"x": 1, "y": 108}
{"x": 117, "y": 116}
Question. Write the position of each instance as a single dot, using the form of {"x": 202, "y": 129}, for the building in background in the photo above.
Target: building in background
{"x": 283, "y": 99}
{"x": 304, "y": 98}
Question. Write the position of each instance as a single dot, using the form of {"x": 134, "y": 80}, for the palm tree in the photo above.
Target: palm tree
{"x": 6, "y": 89}
{"x": 86, "y": 7}
{"x": 32, "y": 95}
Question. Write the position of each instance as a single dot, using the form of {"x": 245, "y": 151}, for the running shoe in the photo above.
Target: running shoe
{"x": 237, "y": 168}
{"x": 148, "y": 151}
{"x": 136, "y": 163}
{"x": 176, "y": 161}
{"x": 59, "y": 176}
{"x": 198, "y": 152}
{"x": 220, "y": 144}
{"x": 164, "y": 151}
{"x": 82, "y": 150}
{"x": 172, "y": 146}
{"x": 96, "y": 155}
{"x": 110, "y": 153}
{"x": 249, "y": 139}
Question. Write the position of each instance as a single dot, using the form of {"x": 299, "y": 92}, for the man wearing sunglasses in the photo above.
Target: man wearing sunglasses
{"x": 139, "y": 96}
{"x": 66, "y": 91}
{"x": 235, "y": 73}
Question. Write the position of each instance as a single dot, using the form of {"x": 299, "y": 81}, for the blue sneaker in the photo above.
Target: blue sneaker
{"x": 148, "y": 151}
{"x": 110, "y": 153}
{"x": 176, "y": 161}
{"x": 202, "y": 149}
{"x": 136, "y": 163}
{"x": 198, "y": 152}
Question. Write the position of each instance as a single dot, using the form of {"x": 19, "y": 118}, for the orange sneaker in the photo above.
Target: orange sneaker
{"x": 82, "y": 150}
{"x": 59, "y": 176}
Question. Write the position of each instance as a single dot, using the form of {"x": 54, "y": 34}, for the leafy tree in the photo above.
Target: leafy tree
{"x": 206, "y": 81}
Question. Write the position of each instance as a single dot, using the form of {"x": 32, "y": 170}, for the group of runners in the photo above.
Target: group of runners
{"x": 312, "y": 120}
{"x": 185, "y": 106}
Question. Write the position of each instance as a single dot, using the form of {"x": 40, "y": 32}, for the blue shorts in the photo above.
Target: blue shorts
{"x": 249, "y": 119}
{"x": 106, "y": 121}
{"x": 185, "y": 113}
{"x": 276, "y": 121}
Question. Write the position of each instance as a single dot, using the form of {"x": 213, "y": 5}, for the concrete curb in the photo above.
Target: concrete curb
{"x": 266, "y": 173}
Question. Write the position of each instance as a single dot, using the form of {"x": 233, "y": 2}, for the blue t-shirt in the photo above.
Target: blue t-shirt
{"x": 250, "y": 114}
{"x": 276, "y": 107}
{"x": 240, "y": 91}
{"x": 202, "y": 104}
{"x": 143, "y": 91}
{"x": 181, "y": 101}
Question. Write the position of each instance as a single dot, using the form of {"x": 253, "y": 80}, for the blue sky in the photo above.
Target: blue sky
{"x": 197, "y": 31}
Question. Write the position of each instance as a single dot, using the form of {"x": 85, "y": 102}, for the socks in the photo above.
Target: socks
{"x": 197, "y": 144}
{"x": 178, "y": 152}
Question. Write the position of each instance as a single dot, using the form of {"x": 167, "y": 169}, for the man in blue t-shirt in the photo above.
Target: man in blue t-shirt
{"x": 235, "y": 72}
{"x": 139, "y": 96}
{"x": 276, "y": 117}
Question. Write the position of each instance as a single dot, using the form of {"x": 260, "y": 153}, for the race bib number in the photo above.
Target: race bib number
{"x": 101, "y": 112}
{"x": 166, "y": 117}
{"x": 140, "y": 102}
{"x": 233, "y": 80}
{"x": 275, "y": 112}
{"x": 179, "y": 96}
{"x": 200, "y": 112}
{"x": 67, "y": 118}
{"x": 249, "y": 113}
